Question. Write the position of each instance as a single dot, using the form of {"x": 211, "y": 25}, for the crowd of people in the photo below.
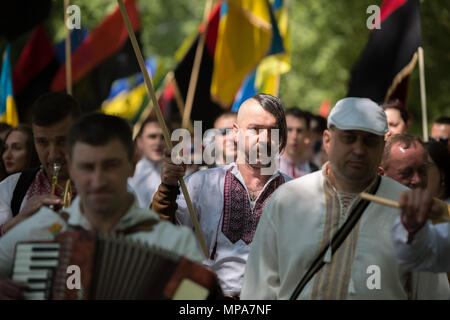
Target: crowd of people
{"x": 301, "y": 231}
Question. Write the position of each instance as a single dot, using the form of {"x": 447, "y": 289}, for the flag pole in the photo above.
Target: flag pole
{"x": 196, "y": 67}
{"x": 68, "y": 51}
{"x": 161, "y": 121}
{"x": 423, "y": 96}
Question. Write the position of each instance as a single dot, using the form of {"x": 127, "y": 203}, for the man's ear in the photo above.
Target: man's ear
{"x": 326, "y": 140}
{"x": 381, "y": 171}
{"x": 235, "y": 131}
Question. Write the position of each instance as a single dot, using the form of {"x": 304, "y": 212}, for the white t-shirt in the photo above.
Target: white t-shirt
{"x": 7, "y": 187}
{"x": 145, "y": 181}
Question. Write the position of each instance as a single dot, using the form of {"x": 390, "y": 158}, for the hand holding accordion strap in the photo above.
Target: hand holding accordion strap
{"x": 336, "y": 241}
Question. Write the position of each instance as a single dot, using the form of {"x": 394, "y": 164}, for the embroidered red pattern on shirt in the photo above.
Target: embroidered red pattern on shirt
{"x": 239, "y": 220}
{"x": 41, "y": 185}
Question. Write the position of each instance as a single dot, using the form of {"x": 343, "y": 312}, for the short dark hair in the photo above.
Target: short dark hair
{"x": 53, "y": 107}
{"x": 151, "y": 119}
{"x": 443, "y": 120}
{"x": 32, "y": 160}
{"x": 318, "y": 123}
{"x": 98, "y": 129}
{"x": 5, "y": 126}
{"x": 224, "y": 115}
{"x": 405, "y": 139}
{"x": 300, "y": 114}
{"x": 397, "y": 105}
{"x": 274, "y": 106}
{"x": 441, "y": 157}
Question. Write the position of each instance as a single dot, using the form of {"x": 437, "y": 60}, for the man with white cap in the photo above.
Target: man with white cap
{"x": 317, "y": 239}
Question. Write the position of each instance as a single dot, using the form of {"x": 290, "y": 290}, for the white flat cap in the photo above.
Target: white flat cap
{"x": 358, "y": 114}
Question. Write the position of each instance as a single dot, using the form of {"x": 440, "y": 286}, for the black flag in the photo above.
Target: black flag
{"x": 382, "y": 72}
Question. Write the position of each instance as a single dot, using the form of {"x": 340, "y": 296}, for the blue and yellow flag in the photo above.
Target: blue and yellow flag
{"x": 265, "y": 78}
{"x": 8, "y": 110}
{"x": 244, "y": 38}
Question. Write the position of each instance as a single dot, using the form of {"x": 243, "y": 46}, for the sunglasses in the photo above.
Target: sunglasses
{"x": 224, "y": 131}
{"x": 441, "y": 140}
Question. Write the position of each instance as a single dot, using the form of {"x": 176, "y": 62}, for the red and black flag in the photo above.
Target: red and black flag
{"x": 34, "y": 71}
{"x": 382, "y": 73}
{"x": 104, "y": 55}
{"x": 209, "y": 109}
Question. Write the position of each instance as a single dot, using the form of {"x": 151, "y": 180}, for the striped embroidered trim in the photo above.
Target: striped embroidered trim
{"x": 332, "y": 281}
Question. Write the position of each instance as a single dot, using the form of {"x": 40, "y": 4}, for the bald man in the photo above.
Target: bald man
{"x": 405, "y": 160}
{"x": 228, "y": 200}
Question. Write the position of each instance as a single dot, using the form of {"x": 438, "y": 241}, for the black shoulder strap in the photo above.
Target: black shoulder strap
{"x": 24, "y": 182}
{"x": 336, "y": 241}
{"x": 313, "y": 166}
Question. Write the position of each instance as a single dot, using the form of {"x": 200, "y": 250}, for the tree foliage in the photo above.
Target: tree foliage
{"x": 327, "y": 38}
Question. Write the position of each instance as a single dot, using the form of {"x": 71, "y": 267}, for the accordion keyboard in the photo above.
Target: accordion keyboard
{"x": 35, "y": 265}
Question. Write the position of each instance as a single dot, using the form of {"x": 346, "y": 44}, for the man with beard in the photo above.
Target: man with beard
{"x": 23, "y": 194}
{"x": 228, "y": 200}
{"x": 317, "y": 239}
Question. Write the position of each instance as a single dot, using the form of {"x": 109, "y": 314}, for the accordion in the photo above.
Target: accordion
{"x": 84, "y": 265}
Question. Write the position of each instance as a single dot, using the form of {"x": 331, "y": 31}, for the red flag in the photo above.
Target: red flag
{"x": 35, "y": 57}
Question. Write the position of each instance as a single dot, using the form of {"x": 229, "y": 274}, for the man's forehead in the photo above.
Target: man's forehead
{"x": 290, "y": 119}
{"x": 152, "y": 127}
{"x": 60, "y": 128}
{"x": 85, "y": 152}
{"x": 225, "y": 121}
{"x": 404, "y": 147}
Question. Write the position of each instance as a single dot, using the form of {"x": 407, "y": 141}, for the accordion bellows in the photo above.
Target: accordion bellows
{"x": 111, "y": 267}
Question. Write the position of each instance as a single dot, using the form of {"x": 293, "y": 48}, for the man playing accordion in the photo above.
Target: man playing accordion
{"x": 100, "y": 152}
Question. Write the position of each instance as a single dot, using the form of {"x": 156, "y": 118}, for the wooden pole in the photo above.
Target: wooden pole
{"x": 196, "y": 68}
{"x": 387, "y": 202}
{"x": 161, "y": 121}
{"x": 423, "y": 98}
{"x": 68, "y": 51}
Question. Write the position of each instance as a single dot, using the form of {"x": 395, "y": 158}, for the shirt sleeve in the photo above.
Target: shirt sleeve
{"x": 7, "y": 187}
{"x": 35, "y": 228}
{"x": 194, "y": 186}
{"x": 429, "y": 250}
{"x": 261, "y": 278}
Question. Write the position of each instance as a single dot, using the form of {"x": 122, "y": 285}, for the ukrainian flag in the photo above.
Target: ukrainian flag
{"x": 266, "y": 77}
{"x": 244, "y": 38}
{"x": 8, "y": 110}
